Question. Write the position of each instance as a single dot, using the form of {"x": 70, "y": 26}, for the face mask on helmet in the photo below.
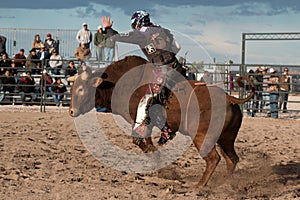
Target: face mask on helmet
{"x": 139, "y": 19}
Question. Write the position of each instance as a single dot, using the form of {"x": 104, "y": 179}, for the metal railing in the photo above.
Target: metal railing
{"x": 21, "y": 38}
{"x": 224, "y": 75}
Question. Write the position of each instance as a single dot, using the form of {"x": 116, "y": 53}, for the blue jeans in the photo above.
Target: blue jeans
{"x": 266, "y": 100}
{"x": 109, "y": 55}
{"x": 254, "y": 106}
{"x": 274, "y": 104}
{"x": 57, "y": 97}
{"x": 283, "y": 99}
{"x": 99, "y": 53}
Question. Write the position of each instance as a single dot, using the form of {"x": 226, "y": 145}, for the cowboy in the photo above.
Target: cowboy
{"x": 160, "y": 47}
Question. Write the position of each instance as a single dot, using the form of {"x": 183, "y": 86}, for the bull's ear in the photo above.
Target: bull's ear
{"x": 72, "y": 78}
{"x": 95, "y": 82}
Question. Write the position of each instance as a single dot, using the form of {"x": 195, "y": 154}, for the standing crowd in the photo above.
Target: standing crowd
{"x": 272, "y": 91}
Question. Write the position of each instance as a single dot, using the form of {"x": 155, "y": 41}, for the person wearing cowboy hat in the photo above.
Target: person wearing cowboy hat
{"x": 285, "y": 87}
{"x": 258, "y": 90}
{"x": 265, "y": 93}
{"x": 273, "y": 83}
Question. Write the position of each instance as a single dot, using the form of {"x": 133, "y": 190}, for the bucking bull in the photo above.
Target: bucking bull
{"x": 206, "y": 113}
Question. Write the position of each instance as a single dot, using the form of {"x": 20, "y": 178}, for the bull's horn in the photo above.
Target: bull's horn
{"x": 83, "y": 65}
{"x": 72, "y": 78}
{"x": 98, "y": 81}
{"x": 84, "y": 75}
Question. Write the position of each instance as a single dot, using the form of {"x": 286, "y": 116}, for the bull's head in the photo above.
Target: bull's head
{"x": 83, "y": 92}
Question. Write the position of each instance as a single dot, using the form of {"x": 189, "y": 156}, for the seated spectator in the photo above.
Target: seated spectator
{"x": 5, "y": 63}
{"x": 50, "y": 43}
{"x": 8, "y": 82}
{"x": 20, "y": 59}
{"x": 44, "y": 57}
{"x": 37, "y": 43}
{"x": 13, "y": 68}
{"x": 83, "y": 53}
{"x": 33, "y": 63}
{"x": 206, "y": 78}
{"x": 55, "y": 62}
{"x": 16, "y": 77}
{"x": 71, "y": 69}
{"x": 2, "y": 44}
{"x": 58, "y": 89}
{"x": 46, "y": 82}
{"x": 26, "y": 88}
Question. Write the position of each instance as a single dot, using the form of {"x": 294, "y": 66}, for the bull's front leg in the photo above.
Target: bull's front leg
{"x": 212, "y": 160}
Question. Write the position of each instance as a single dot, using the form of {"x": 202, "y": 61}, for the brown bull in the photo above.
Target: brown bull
{"x": 206, "y": 113}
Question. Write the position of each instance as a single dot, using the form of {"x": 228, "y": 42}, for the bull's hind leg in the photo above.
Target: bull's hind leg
{"x": 212, "y": 160}
{"x": 231, "y": 159}
{"x": 227, "y": 139}
{"x": 150, "y": 145}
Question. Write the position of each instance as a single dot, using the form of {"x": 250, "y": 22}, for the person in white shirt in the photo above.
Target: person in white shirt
{"x": 55, "y": 63}
{"x": 84, "y": 35}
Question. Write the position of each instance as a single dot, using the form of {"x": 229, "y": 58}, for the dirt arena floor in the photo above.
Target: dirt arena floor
{"x": 42, "y": 157}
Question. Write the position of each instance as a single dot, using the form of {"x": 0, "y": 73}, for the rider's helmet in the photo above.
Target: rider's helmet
{"x": 139, "y": 19}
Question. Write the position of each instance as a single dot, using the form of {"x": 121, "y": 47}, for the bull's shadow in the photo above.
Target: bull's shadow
{"x": 289, "y": 172}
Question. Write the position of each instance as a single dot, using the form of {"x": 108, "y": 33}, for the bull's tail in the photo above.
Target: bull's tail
{"x": 240, "y": 83}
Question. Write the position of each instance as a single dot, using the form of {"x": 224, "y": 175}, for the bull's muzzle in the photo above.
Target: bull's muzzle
{"x": 73, "y": 112}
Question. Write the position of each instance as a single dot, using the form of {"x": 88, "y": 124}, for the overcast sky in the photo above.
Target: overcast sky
{"x": 206, "y": 29}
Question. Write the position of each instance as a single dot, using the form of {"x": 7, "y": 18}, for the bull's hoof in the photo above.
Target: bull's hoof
{"x": 140, "y": 143}
{"x": 200, "y": 185}
{"x": 151, "y": 148}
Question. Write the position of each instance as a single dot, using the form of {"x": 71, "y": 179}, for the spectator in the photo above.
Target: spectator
{"x": 285, "y": 87}
{"x": 252, "y": 111}
{"x": 33, "y": 63}
{"x": 265, "y": 91}
{"x": 55, "y": 62}
{"x": 58, "y": 89}
{"x": 46, "y": 82}
{"x": 50, "y": 43}
{"x": 98, "y": 42}
{"x": 20, "y": 59}
{"x": 84, "y": 36}
{"x": 37, "y": 43}
{"x": 206, "y": 78}
{"x": 258, "y": 90}
{"x": 8, "y": 82}
{"x": 71, "y": 69}
{"x": 16, "y": 77}
{"x": 2, "y": 44}
{"x": 273, "y": 89}
{"x": 13, "y": 68}
{"x": 83, "y": 53}
{"x": 26, "y": 88}
{"x": 5, "y": 63}
{"x": 44, "y": 57}
{"x": 109, "y": 45}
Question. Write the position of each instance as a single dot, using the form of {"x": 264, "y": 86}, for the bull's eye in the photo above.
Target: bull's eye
{"x": 80, "y": 91}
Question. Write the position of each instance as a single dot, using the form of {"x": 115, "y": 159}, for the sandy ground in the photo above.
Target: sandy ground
{"x": 42, "y": 157}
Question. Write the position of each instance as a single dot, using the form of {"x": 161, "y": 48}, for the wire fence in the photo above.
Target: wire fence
{"x": 12, "y": 93}
{"x": 224, "y": 75}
